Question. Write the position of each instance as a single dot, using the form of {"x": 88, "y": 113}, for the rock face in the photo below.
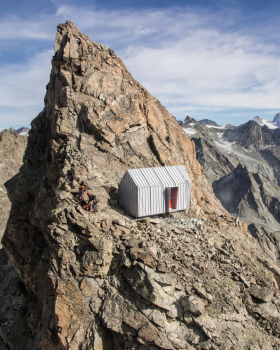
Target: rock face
{"x": 107, "y": 281}
{"x": 12, "y": 148}
{"x": 104, "y": 280}
{"x": 215, "y": 162}
{"x": 276, "y": 119}
{"x": 20, "y": 315}
{"x": 208, "y": 122}
{"x": 274, "y": 125}
{"x": 98, "y": 121}
{"x": 249, "y": 196}
{"x": 243, "y": 165}
{"x": 188, "y": 120}
{"x": 259, "y": 202}
{"x": 252, "y": 136}
{"x": 18, "y": 307}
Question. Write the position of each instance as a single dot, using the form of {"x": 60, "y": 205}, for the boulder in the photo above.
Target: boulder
{"x": 193, "y": 304}
{"x": 262, "y": 293}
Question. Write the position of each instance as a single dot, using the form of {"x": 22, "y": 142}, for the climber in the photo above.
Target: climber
{"x": 80, "y": 195}
{"x": 92, "y": 198}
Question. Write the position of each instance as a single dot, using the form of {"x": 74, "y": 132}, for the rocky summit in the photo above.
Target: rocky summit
{"x": 252, "y": 136}
{"x": 106, "y": 281}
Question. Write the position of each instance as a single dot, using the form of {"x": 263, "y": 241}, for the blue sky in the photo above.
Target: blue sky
{"x": 214, "y": 59}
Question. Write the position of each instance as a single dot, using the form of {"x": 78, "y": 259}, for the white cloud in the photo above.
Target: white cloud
{"x": 41, "y": 28}
{"x": 193, "y": 61}
{"x": 210, "y": 75}
{"x": 23, "y": 89}
{"x": 31, "y": 79}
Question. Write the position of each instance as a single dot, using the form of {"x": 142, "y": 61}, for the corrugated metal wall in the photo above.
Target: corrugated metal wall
{"x": 146, "y": 191}
{"x": 154, "y": 192}
{"x": 183, "y": 182}
{"x": 128, "y": 195}
{"x": 187, "y": 194}
{"x": 143, "y": 188}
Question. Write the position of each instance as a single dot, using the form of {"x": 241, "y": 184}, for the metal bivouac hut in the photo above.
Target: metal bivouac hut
{"x": 151, "y": 191}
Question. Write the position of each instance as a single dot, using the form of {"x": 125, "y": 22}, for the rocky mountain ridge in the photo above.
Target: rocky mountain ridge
{"x": 243, "y": 166}
{"x": 274, "y": 125}
{"x": 252, "y": 135}
{"x": 208, "y": 122}
{"x": 23, "y": 131}
{"x": 106, "y": 280}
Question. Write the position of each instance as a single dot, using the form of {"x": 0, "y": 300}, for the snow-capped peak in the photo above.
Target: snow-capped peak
{"x": 262, "y": 122}
{"x": 23, "y": 131}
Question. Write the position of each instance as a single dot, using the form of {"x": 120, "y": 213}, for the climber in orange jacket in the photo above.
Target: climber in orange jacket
{"x": 80, "y": 195}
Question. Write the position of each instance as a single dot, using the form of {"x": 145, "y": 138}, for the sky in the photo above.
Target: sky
{"x": 214, "y": 59}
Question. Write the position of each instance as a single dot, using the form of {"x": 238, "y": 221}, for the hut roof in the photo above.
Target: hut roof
{"x": 159, "y": 176}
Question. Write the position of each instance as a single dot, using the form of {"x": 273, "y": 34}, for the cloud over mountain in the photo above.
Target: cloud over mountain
{"x": 195, "y": 61}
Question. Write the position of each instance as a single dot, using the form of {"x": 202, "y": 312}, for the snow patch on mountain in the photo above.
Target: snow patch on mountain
{"x": 269, "y": 124}
{"x": 268, "y": 146}
{"x": 23, "y": 131}
{"x": 189, "y": 131}
{"x": 216, "y": 127}
{"x": 230, "y": 147}
{"x": 225, "y": 145}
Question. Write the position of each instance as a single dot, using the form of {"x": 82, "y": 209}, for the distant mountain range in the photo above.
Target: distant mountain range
{"x": 23, "y": 131}
{"x": 243, "y": 165}
{"x": 209, "y": 123}
{"x": 274, "y": 125}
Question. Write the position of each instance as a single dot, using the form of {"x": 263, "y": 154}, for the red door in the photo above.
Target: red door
{"x": 173, "y": 198}
{"x": 170, "y": 199}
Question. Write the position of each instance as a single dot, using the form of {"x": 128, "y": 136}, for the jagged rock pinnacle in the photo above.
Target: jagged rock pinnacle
{"x": 105, "y": 280}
